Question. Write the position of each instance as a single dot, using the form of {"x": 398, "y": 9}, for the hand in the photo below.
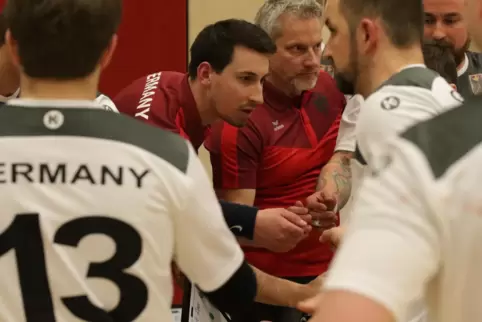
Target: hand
{"x": 332, "y": 236}
{"x": 280, "y": 230}
{"x": 311, "y": 303}
{"x": 310, "y": 306}
{"x": 322, "y": 209}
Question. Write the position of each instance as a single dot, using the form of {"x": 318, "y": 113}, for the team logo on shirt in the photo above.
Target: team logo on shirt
{"x": 476, "y": 83}
{"x": 390, "y": 103}
{"x": 53, "y": 119}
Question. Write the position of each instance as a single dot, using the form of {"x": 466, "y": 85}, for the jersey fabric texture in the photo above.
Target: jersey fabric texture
{"x": 469, "y": 81}
{"x": 165, "y": 100}
{"x": 425, "y": 205}
{"x": 101, "y": 99}
{"x": 279, "y": 153}
{"x": 95, "y": 207}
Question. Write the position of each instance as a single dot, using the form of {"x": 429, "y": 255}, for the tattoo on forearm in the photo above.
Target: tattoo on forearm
{"x": 338, "y": 173}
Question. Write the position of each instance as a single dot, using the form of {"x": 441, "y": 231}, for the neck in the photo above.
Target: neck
{"x": 207, "y": 110}
{"x": 8, "y": 83}
{"x": 459, "y": 67}
{"x": 384, "y": 65}
{"x": 278, "y": 83}
{"x": 48, "y": 89}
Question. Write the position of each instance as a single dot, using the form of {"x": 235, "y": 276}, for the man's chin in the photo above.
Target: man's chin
{"x": 305, "y": 85}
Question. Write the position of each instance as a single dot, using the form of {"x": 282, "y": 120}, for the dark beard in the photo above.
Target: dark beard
{"x": 344, "y": 85}
{"x": 459, "y": 54}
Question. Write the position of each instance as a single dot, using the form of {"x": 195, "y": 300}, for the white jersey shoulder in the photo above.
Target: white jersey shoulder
{"x": 394, "y": 108}
{"x": 106, "y": 103}
{"x": 425, "y": 205}
{"x": 95, "y": 207}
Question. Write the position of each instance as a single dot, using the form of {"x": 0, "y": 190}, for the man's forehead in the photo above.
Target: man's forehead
{"x": 443, "y": 6}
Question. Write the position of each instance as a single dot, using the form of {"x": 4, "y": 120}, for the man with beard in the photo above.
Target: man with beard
{"x": 425, "y": 206}
{"x": 276, "y": 158}
{"x": 376, "y": 45}
{"x": 439, "y": 57}
{"x": 444, "y": 22}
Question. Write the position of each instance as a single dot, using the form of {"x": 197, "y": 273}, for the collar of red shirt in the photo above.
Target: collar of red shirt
{"x": 278, "y": 100}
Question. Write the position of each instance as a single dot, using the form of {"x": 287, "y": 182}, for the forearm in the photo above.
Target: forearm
{"x": 241, "y": 219}
{"x": 335, "y": 177}
{"x": 277, "y": 291}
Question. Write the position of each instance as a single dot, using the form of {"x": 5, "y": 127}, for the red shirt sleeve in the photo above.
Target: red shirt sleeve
{"x": 235, "y": 154}
{"x": 145, "y": 100}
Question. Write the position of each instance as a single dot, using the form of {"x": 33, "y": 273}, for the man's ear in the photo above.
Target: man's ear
{"x": 108, "y": 53}
{"x": 12, "y": 47}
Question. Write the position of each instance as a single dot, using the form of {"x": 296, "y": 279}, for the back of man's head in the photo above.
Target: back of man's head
{"x": 61, "y": 39}
{"x": 439, "y": 56}
{"x": 215, "y": 43}
{"x": 402, "y": 20}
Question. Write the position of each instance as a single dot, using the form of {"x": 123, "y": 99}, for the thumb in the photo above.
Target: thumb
{"x": 326, "y": 236}
{"x": 309, "y": 306}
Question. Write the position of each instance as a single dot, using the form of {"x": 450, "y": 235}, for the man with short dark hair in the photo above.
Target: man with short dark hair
{"x": 376, "y": 45}
{"x": 444, "y": 21}
{"x": 229, "y": 61}
{"x": 10, "y": 77}
{"x": 417, "y": 226}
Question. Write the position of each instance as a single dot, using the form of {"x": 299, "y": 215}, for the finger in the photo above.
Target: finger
{"x": 325, "y": 215}
{"x": 306, "y": 218}
{"x": 299, "y": 204}
{"x": 326, "y": 236}
{"x": 307, "y": 230}
{"x": 309, "y": 306}
{"x": 317, "y": 206}
{"x": 294, "y": 218}
{"x": 299, "y": 210}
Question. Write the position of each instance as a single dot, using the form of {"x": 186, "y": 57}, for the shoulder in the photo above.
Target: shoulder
{"x": 475, "y": 58}
{"x": 446, "y": 138}
{"x": 99, "y": 124}
{"x": 106, "y": 102}
{"x": 420, "y": 77}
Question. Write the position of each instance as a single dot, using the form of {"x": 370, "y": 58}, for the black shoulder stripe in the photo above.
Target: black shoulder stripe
{"x": 448, "y": 137}
{"x": 94, "y": 123}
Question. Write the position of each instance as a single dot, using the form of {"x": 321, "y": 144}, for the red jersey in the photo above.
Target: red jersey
{"x": 280, "y": 153}
{"x": 164, "y": 100}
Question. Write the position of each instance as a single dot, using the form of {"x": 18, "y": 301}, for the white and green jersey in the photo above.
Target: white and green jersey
{"x": 416, "y": 226}
{"x": 95, "y": 206}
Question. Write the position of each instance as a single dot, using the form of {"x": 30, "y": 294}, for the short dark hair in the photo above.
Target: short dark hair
{"x": 439, "y": 56}
{"x": 3, "y": 29}
{"x": 403, "y": 20}
{"x": 215, "y": 43}
{"x": 62, "y": 39}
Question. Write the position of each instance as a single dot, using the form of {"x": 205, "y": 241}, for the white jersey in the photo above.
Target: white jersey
{"x": 101, "y": 99}
{"x": 95, "y": 207}
{"x": 414, "y": 94}
{"x": 417, "y": 223}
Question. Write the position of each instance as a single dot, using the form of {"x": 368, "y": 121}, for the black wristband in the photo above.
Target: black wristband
{"x": 241, "y": 219}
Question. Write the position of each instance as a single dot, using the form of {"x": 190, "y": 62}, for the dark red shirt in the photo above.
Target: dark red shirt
{"x": 165, "y": 100}
{"x": 280, "y": 153}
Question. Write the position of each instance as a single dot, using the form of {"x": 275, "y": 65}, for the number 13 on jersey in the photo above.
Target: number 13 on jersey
{"x": 24, "y": 237}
